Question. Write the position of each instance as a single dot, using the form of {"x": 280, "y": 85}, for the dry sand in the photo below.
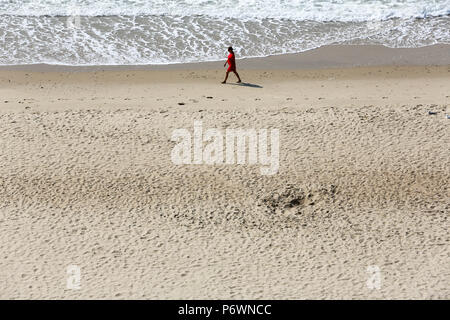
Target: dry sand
{"x": 86, "y": 179}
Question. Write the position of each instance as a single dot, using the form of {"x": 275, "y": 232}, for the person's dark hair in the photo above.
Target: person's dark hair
{"x": 230, "y": 48}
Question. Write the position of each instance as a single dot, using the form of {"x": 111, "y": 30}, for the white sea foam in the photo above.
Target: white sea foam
{"x": 317, "y": 10}
{"x": 172, "y": 31}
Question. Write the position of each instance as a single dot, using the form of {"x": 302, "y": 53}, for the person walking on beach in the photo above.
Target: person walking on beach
{"x": 231, "y": 65}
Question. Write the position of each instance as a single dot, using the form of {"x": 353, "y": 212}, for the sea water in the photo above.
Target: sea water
{"x": 113, "y": 32}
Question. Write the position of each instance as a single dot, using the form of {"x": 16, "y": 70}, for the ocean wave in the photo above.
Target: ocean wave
{"x": 114, "y": 32}
{"x": 299, "y": 10}
{"x": 136, "y": 40}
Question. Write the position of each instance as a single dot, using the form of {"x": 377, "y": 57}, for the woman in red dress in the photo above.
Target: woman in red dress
{"x": 231, "y": 65}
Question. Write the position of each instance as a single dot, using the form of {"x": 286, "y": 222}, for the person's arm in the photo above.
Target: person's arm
{"x": 228, "y": 61}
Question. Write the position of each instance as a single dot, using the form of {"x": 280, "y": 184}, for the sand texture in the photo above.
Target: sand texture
{"x": 86, "y": 179}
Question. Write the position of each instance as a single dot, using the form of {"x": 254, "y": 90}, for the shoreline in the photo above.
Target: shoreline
{"x": 325, "y": 57}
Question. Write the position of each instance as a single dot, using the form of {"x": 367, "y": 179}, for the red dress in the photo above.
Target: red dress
{"x": 231, "y": 63}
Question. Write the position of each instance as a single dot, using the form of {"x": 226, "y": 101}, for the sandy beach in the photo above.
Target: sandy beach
{"x": 86, "y": 179}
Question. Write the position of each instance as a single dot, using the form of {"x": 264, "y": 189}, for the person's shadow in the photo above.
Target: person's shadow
{"x": 246, "y": 84}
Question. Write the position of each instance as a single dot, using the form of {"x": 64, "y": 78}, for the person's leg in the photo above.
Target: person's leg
{"x": 226, "y": 77}
{"x": 237, "y": 75}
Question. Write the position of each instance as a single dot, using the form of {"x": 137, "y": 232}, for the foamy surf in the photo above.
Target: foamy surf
{"x": 108, "y": 32}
